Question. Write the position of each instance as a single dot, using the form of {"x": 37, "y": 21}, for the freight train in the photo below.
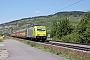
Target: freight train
{"x": 37, "y": 33}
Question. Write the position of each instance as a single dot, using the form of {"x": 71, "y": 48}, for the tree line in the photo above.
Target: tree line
{"x": 70, "y": 13}
{"x": 64, "y": 31}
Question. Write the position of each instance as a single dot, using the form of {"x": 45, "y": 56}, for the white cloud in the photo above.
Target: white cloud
{"x": 38, "y": 12}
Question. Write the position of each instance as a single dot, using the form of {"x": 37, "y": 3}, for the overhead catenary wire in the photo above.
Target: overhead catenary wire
{"x": 71, "y": 4}
{"x": 84, "y": 6}
{"x": 63, "y": 3}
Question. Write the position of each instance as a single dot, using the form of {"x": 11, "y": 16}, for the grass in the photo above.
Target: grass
{"x": 1, "y": 40}
{"x": 69, "y": 55}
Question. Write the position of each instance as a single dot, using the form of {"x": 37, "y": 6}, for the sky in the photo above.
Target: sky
{"x": 11, "y": 10}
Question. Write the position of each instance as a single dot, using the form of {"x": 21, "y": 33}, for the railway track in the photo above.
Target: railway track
{"x": 81, "y": 50}
{"x": 81, "y": 47}
{"x": 71, "y": 45}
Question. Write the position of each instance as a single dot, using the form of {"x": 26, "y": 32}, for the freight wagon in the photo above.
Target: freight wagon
{"x": 37, "y": 33}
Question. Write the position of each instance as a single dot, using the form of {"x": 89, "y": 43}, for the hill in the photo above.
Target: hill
{"x": 73, "y": 16}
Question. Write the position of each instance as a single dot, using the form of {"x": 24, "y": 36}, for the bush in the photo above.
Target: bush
{"x": 71, "y": 38}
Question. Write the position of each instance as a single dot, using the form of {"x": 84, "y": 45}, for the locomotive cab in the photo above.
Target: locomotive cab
{"x": 39, "y": 32}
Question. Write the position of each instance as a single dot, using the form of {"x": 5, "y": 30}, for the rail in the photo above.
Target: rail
{"x": 70, "y": 45}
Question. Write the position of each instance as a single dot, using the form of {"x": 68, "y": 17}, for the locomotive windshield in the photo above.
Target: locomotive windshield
{"x": 41, "y": 29}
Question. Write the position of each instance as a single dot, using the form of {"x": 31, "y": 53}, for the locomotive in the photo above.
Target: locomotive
{"x": 37, "y": 33}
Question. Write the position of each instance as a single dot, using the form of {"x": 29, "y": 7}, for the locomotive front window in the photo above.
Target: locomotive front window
{"x": 41, "y": 29}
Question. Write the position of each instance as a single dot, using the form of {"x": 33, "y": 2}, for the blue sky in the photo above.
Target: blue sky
{"x": 16, "y": 9}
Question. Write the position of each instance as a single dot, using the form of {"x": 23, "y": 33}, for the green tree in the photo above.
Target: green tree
{"x": 54, "y": 29}
{"x": 83, "y": 29}
{"x": 64, "y": 28}
{"x": 61, "y": 28}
